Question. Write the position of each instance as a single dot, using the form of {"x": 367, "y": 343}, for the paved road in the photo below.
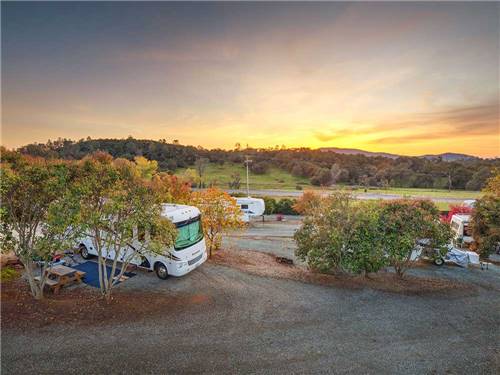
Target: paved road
{"x": 298, "y": 193}
{"x": 253, "y": 324}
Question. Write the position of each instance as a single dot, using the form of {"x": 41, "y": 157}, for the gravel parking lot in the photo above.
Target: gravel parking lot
{"x": 251, "y": 324}
{"x": 270, "y": 236}
{"x": 238, "y": 322}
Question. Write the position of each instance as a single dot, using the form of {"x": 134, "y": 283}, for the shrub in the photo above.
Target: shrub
{"x": 364, "y": 237}
{"x": 486, "y": 217}
{"x": 309, "y": 201}
{"x": 7, "y": 273}
{"x": 285, "y": 206}
{"x": 364, "y": 248}
{"x": 403, "y": 222}
{"x": 270, "y": 204}
{"x": 486, "y": 224}
{"x": 338, "y": 235}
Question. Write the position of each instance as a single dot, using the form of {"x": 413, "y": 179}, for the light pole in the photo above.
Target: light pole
{"x": 247, "y": 162}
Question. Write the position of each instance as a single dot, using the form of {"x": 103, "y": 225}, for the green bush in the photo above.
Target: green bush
{"x": 486, "y": 224}
{"x": 279, "y": 206}
{"x": 341, "y": 236}
{"x": 365, "y": 248}
{"x": 366, "y": 236}
{"x": 7, "y": 273}
{"x": 403, "y": 222}
{"x": 270, "y": 205}
{"x": 285, "y": 206}
{"x": 486, "y": 216}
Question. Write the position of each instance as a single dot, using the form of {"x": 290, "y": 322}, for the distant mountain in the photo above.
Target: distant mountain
{"x": 447, "y": 156}
{"x": 450, "y": 156}
{"x": 355, "y": 151}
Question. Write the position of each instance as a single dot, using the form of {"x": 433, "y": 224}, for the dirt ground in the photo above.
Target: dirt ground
{"x": 266, "y": 265}
{"x": 242, "y": 312}
{"x": 220, "y": 319}
{"x": 83, "y": 306}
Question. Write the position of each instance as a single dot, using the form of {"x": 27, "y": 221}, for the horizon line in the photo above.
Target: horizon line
{"x": 88, "y": 138}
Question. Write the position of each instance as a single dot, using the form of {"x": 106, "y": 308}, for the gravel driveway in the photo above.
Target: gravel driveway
{"x": 270, "y": 236}
{"x": 253, "y": 324}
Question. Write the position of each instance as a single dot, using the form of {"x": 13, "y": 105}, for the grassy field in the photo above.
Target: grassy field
{"x": 220, "y": 175}
{"x": 277, "y": 179}
{"x": 432, "y": 193}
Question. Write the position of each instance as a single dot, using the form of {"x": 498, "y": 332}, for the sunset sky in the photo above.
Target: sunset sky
{"x": 403, "y": 78}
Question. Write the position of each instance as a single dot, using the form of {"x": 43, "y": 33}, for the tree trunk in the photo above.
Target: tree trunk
{"x": 107, "y": 295}
{"x": 35, "y": 288}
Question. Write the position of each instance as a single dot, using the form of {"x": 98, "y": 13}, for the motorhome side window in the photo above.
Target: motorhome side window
{"x": 244, "y": 206}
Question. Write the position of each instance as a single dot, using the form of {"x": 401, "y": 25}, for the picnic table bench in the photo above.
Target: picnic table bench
{"x": 59, "y": 276}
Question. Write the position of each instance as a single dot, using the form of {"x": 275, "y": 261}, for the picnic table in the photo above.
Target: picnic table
{"x": 59, "y": 276}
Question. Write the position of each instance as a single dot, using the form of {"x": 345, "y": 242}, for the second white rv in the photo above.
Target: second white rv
{"x": 251, "y": 207}
{"x": 462, "y": 232}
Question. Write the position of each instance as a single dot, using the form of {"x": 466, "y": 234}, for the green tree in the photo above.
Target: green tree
{"x": 341, "y": 236}
{"x": 478, "y": 179}
{"x": 38, "y": 215}
{"x": 285, "y": 206}
{"x": 321, "y": 239}
{"x": 402, "y": 223}
{"x": 364, "y": 250}
{"x": 116, "y": 204}
{"x": 146, "y": 168}
{"x": 235, "y": 181}
{"x": 270, "y": 204}
{"x": 486, "y": 216}
{"x": 201, "y": 166}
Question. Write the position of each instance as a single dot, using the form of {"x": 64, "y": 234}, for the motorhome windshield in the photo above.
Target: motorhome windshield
{"x": 190, "y": 232}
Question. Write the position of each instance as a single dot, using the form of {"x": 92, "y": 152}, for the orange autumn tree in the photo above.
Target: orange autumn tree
{"x": 219, "y": 213}
{"x": 171, "y": 188}
{"x": 309, "y": 201}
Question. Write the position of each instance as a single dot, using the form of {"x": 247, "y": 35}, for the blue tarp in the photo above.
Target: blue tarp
{"x": 92, "y": 273}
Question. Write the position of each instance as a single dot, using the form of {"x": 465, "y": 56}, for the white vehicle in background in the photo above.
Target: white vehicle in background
{"x": 188, "y": 252}
{"x": 471, "y": 203}
{"x": 462, "y": 232}
{"x": 251, "y": 207}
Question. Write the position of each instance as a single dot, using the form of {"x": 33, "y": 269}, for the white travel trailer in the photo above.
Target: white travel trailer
{"x": 471, "y": 203}
{"x": 188, "y": 252}
{"x": 251, "y": 207}
{"x": 462, "y": 232}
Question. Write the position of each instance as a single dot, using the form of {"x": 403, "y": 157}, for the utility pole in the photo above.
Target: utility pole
{"x": 247, "y": 162}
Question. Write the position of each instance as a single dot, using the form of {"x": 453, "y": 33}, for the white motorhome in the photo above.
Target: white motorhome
{"x": 251, "y": 207}
{"x": 188, "y": 252}
{"x": 462, "y": 232}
